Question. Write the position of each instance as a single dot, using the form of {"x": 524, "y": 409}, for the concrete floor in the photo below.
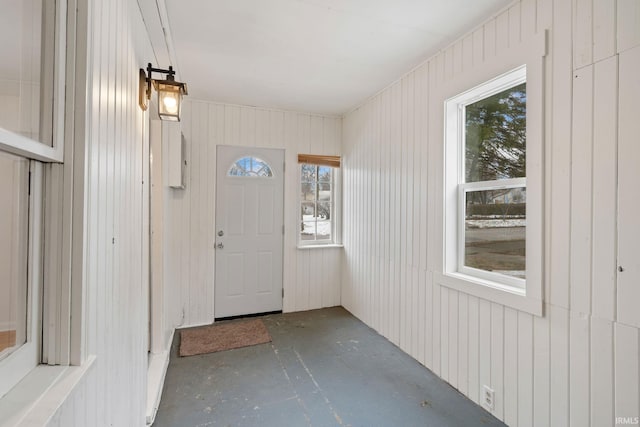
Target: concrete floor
{"x": 323, "y": 368}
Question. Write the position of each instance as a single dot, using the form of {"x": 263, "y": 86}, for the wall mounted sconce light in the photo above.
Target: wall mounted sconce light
{"x": 170, "y": 92}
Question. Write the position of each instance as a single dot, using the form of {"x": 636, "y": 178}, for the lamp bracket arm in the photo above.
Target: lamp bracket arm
{"x": 152, "y": 69}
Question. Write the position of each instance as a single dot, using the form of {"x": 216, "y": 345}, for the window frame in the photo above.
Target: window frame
{"x": 463, "y": 189}
{"x": 483, "y": 80}
{"x": 21, "y": 361}
{"x": 457, "y": 106}
{"x": 332, "y": 162}
{"x": 50, "y": 148}
{"x": 54, "y": 336}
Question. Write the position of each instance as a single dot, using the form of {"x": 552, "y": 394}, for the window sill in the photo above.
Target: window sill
{"x": 507, "y": 296}
{"x": 35, "y": 399}
{"x": 331, "y": 245}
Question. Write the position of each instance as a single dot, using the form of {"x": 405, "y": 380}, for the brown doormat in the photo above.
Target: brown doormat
{"x": 224, "y": 336}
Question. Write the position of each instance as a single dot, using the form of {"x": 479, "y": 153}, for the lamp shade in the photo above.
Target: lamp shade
{"x": 169, "y": 98}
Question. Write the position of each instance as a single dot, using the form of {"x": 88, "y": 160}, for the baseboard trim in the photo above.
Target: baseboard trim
{"x": 156, "y": 373}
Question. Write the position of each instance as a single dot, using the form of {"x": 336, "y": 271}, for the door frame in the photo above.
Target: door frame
{"x": 215, "y": 224}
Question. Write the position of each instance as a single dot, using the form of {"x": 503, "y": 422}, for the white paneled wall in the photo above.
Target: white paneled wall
{"x": 113, "y": 393}
{"x": 311, "y": 276}
{"x": 578, "y": 365}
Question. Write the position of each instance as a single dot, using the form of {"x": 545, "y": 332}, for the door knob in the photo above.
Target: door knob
{"x": 220, "y": 246}
{"x": 220, "y": 233}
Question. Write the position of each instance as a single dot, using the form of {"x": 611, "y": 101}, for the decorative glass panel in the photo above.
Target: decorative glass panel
{"x": 250, "y": 167}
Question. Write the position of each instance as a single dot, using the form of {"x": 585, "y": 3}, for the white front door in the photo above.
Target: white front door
{"x": 249, "y": 230}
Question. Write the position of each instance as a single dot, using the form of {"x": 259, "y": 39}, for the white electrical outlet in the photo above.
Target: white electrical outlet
{"x": 488, "y": 396}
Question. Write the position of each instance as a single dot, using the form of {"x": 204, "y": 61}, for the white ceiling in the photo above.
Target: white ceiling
{"x": 323, "y": 56}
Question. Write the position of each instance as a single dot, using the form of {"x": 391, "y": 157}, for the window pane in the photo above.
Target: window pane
{"x": 495, "y": 224}
{"x": 309, "y": 173}
{"x": 308, "y": 211}
{"x": 324, "y": 210}
{"x": 495, "y": 136}
{"x": 308, "y": 191}
{"x": 308, "y": 231}
{"x": 323, "y": 230}
{"x": 324, "y": 191}
{"x": 14, "y": 181}
{"x": 324, "y": 173}
{"x": 20, "y": 29}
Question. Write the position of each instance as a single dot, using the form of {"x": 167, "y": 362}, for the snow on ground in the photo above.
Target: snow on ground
{"x": 310, "y": 225}
{"x": 495, "y": 223}
{"x": 324, "y": 226}
{"x": 514, "y": 273}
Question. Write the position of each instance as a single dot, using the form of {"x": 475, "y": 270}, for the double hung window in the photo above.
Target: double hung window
{"x": 493, "y": 179}
{"x": 31, "y": 125}
{"x": 493, "y": 185}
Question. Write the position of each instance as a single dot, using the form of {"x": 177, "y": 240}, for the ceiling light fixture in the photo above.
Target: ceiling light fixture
{"x": 170, "y": 92}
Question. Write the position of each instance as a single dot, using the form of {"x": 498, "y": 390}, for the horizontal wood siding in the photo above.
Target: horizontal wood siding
{"x": 311, "y": 276}
{"x": 578, "y": 364}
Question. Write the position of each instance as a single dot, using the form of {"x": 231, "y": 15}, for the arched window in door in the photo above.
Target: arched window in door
{"x": 250, "y": 167}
